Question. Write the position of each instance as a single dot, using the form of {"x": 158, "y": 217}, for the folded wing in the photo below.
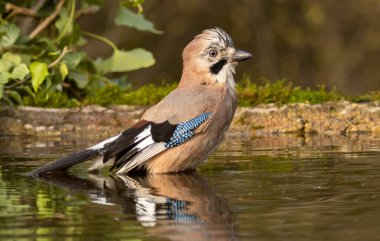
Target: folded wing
{"x": 154, "y": 139}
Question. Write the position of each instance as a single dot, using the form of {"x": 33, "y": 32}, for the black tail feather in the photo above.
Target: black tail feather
{"x": 120, "y": 148}
{"x": 66, "y": 162}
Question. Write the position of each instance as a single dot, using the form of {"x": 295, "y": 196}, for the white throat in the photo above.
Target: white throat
{"x": 226, "y": 76}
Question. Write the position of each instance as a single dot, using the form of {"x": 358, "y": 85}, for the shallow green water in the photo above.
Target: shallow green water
{"x": 280, "y": 188}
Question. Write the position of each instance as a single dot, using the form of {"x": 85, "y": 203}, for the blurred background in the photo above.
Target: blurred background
{"x": 308, "y": 42}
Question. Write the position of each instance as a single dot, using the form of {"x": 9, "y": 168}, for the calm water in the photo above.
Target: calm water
{"x": 280, "y": 188}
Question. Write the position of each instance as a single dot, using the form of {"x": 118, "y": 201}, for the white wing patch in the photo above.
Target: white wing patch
{"x": 145, "y": 133}
{"x": 101, "y": 144}
{"x": 149, "y": 152}
{"x": 145, "y": 143}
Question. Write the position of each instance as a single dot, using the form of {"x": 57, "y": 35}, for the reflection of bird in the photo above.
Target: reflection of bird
{"x": 180, "y": 131}
{"x": 177, "y": 207}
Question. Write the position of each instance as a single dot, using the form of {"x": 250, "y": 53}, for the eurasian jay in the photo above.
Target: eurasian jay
{"x": 181, "y": 130}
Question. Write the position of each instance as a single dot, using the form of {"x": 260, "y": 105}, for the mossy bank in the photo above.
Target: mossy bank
{"x": 330, "y": 118}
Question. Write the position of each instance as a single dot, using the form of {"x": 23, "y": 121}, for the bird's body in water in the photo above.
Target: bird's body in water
{"x": 181, "y": 130}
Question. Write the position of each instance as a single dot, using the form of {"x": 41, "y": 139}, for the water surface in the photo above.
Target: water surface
{"x": 279, "y": 188}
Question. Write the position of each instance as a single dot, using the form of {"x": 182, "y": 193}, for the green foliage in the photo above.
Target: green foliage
{"x": 371, "y": 96}
{"x": 281, "y": 92}
{"x": 64, "y": 70}
{"x": 56, "y": 100}
{"x": 249, "y": 94}
{"x": 144, "y": 96}
{"x": 107, "y": 95}
{"x": 44, "y": 67}
{"x": 11, "y": 68}
{"x": 39, "y": 71}
{"x": 126, "y": 17}
{"x": 314, "y": 96}
{"x": 149, "y": 94}
{"x": 9, "y": 34}
{"x": 122, "y": 61}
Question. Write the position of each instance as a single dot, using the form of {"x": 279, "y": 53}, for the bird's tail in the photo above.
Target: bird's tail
{"x": 66, "y": 162}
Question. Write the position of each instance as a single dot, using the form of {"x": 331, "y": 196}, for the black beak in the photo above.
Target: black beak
{"x": 241, "y": 55}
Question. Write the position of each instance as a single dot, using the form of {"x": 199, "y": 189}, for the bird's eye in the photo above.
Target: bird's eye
{"x": 213, "y": 53}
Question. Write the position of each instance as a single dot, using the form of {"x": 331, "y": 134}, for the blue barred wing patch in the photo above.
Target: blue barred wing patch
{"x": 185, "y": 130}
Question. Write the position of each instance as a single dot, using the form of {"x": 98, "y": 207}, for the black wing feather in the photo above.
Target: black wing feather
{"x": 160, "y": 132}
{"x": 125, "y": 142}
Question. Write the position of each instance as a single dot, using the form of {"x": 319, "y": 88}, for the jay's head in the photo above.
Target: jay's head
{"x": 213, "y": 56}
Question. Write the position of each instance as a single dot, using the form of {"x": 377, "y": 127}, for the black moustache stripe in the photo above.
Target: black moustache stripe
{"x": 217, "y": 67}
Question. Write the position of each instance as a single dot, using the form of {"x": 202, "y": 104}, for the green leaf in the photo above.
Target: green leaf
{"x": 25, "y": 58}
{"x": 64, "y": 71}
{"x": 59, "y": 87}
{"x": 73, "y": 59}
{"x": 13, "y": 58}
{"x": 62, "y": 21}
{"x": 5, "y": 65}
{"x": 39, "y": 72}
{"x": 80, "y": 79}
{"x": 4, "y": 78}
{"x": 1, "y": 91}
{"x": 66, "y": 21}
{"x": 81, "y": 41}
{"x": 29, "y": 91}
{"x": 20, "y": 72}
{"x": 48, "y": 84}
{"x": 15, "y": 96}
{"x": 123, "y": 61}
{"x": 126, "y": 17}
{"x": 9, "y": 34}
